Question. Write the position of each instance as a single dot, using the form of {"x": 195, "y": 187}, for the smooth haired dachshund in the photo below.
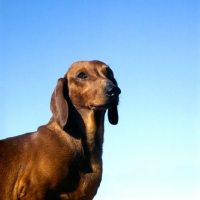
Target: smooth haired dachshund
{"x": 63, "y": 159}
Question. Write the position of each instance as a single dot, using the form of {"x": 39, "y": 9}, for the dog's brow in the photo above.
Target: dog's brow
{"x": 102, "y": 71}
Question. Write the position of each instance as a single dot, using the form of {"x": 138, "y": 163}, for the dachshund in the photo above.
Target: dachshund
{"x": 62, "y": 160}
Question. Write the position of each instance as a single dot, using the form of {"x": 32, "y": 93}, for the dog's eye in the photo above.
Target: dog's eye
{"x": 82, "y": 76}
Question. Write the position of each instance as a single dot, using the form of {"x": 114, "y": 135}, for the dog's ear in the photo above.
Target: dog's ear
{"x": 112, "y": 112}
{"x": 113, "y": 115}
{"x": 58, "y": 105}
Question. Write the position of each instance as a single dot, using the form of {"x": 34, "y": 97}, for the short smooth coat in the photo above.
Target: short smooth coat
{"x": 62, "y": 160}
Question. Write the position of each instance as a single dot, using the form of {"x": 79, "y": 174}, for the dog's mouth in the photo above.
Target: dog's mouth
{"x": 107, "y": 105}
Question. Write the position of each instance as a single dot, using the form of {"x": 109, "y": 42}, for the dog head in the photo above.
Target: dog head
{"x": 88, "y": 85}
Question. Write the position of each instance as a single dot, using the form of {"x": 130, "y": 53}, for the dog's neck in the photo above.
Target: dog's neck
{"x": 90, "y": 129}
{"x": 86, "y": 124}
{"x": 94, "y": 126}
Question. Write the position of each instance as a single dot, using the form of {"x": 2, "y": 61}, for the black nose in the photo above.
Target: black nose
{"x": 112, "y": 90}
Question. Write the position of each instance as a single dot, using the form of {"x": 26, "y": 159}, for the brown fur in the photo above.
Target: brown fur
{"x": 63, "y": 159}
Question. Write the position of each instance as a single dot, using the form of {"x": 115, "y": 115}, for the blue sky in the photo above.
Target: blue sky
{"x": 153, "y": 49}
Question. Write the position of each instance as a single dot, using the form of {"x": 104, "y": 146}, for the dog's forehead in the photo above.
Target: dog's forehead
{"x": 87, "y": 66}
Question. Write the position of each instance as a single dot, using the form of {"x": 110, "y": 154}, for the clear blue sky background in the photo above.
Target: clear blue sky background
{"x": 153, "y": 49}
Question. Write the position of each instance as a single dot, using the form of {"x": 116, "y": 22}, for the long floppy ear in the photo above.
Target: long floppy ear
{"x": 58, "y": 105}
{"x": 113, "y": 115}
{"x": 112, "y": 112}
